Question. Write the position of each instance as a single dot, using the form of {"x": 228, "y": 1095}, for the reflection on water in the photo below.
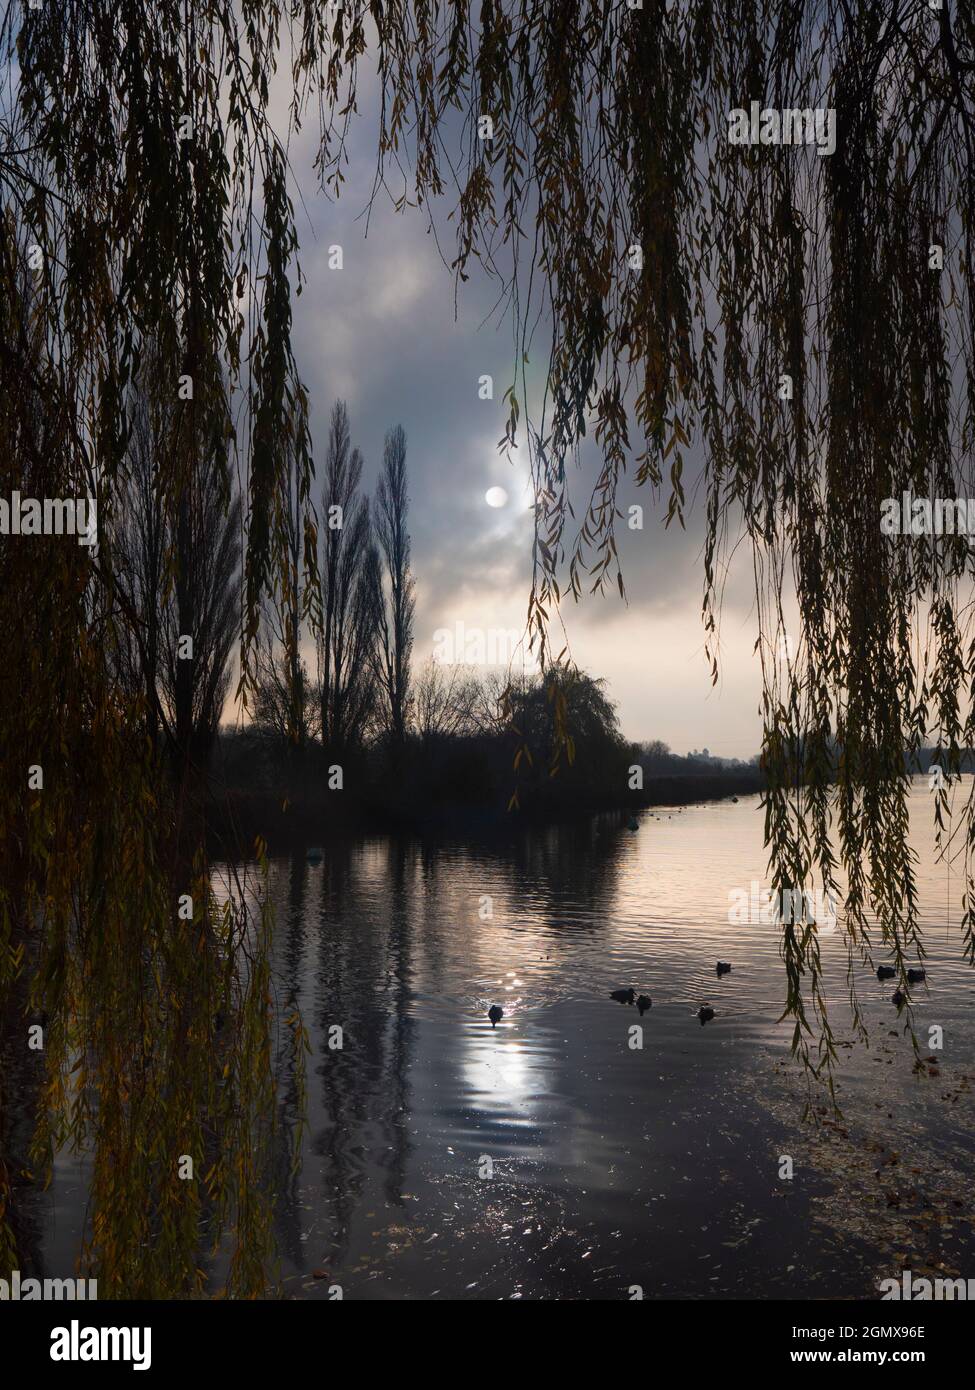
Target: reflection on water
{"x": 550, "y": 1157}
{"x": 609, "y": 1166}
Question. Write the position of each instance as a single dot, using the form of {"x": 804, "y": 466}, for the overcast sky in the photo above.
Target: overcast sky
{"x": 381, "y": 334}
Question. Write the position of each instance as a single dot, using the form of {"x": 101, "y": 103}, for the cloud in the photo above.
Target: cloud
{"x": 382, "y": 333}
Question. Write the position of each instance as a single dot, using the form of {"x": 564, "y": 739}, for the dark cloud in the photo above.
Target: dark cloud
{"x": 382, "y": 333}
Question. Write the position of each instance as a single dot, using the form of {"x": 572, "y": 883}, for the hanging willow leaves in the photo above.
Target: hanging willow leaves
{"x": 144, "y": 212}
{"x": 145, "y": 199}
{"x": 848, "y": 272}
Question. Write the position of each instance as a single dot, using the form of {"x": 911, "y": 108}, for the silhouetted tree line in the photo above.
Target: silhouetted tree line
{"x": 355, "y": 614}
{"x": 477, "y": 745}
{"x": 348, "y": 596}
{"x": 341, "y": 726}
{"x": 176, "y": 567}
{"x": 656, "y": 759}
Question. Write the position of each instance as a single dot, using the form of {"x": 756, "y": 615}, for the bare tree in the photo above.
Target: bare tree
{"x": 447, "y": 699}
{"x": 346, "y": 643}
{"x": 282, "y": 705}
{"x": 139, "y": 566}
{"x": 283, "y": 694}
{"x": 398, "y": 601}
{"x": 204, "y": 607}
{"x": 177, "y": 572}
{"x": 496, "y": 695}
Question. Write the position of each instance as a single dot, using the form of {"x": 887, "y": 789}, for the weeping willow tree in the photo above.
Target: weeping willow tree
{"x": 127, "y": 222}
{"x": 796, "y": 324}
{"x": 795, "y": 319}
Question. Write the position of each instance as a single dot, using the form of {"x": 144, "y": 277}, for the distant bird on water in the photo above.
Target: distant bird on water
{"x": 643, "y": 1003}
{"x": 915, "y": 976}
{"x": 705, "y": 1013}
{"x": 885, "y": 972}
{"x": 722, "y": 967}
{"x": 897, "y": 998}
{"x": 495, "y": 1014}
{"x": 624, "y": 996}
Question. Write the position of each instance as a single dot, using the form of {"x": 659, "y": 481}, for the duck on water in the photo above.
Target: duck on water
{"x": 887, "y": 972}
{"x": 624, "y": 996}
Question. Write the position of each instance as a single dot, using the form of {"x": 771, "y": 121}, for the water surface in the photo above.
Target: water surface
{"x": 551, "y": 1158}
{"x": 611, "y": 1167}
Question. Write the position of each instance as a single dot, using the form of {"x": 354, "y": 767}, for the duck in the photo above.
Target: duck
{"x": 897, "y": 998}
{"x": 885, "y": 972}
{"x": 705, "y": 1013}
{"x": 915, "y": 976}
{"x": 624, "y": 996}
{"x": 643, "y": 1003}
{"x": 495, "y": 1014}
{"x": 722, "y": 967}
{"x": 315, "y": 855}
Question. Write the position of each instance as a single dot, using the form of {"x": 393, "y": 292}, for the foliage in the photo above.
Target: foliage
{"x": 610, "y": 131}
{"x": 350, "y": 596}
{"x": 137, "y": 155}
{"x": 176, "y": 575}
{"x": 395, "y": 587}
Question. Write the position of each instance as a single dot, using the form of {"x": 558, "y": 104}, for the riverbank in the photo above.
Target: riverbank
{"x": 235, "y": 817}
